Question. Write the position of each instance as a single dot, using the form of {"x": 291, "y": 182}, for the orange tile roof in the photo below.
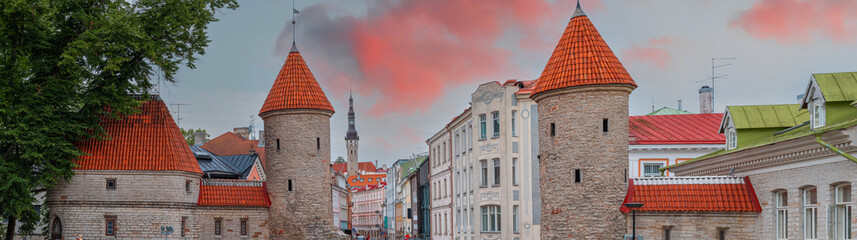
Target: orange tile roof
{"x": 239, "y": 194}
{"x": 231, "y": 143}
{"x": 693, "y": 194}
{"x": 581, "y": 58}
{"x": 295, "y": 88}
{"x": 363, "y": 166}
{"x": 149, "y": 140}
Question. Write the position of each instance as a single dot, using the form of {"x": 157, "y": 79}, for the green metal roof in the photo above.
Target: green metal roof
{"x": 767, "y": 116}
{"x": 839, "y": 116}
{"x": 837, "y": 86}
{"x": 406, "y": 166}
{"x": 668, "y": 111}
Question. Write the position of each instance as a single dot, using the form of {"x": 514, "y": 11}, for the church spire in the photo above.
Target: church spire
{"x": 351, "y": 134}
{"x": 578, "y": 11}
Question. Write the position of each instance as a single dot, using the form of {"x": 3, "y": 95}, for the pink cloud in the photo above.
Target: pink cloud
{"x": 790, "y": 21}
{"x": 409, "y": 53}
{"x": 654, "y": 53}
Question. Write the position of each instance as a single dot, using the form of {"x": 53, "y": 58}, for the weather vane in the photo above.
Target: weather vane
{"x": 294, "y": 11}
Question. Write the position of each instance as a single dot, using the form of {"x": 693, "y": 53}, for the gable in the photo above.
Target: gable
{"x": 837, "y": 86}
{"x": 766, "y": 116}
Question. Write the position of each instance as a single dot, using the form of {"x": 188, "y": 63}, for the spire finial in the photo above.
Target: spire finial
{"x": 294, "y": 26}
{"x": 578, "y": 11}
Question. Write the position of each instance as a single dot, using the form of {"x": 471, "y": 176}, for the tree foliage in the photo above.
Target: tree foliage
{"x": 66, "y": 65}
{"x": 339, "y": 159}
{"x": 188, "y": 135}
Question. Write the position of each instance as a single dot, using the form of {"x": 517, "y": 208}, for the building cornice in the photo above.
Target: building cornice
{"x": 689, "y": 147}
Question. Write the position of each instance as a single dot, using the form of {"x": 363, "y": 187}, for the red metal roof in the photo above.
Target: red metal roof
{"x": 581, "y": 58}
{"x": 675, "y": 129}
{"x": 693, "y": 194}
{"x": 231, "y": 143}
{"x": 148, "y": 140}
{"x": 368, "y": 187}
{"x": 237, "y": 194}
{"x": 363, "y": 166}
{"x": 295, "y": 88}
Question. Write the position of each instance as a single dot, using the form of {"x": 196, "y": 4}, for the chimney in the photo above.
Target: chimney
{"x": 243, "y": 131}
{"x": 705, "y": 99}
{"x": 198, "y": 138}
{"x": 376, "y": 164}
{"x": 679, "y": 105}
{"x": 261, "y": 138}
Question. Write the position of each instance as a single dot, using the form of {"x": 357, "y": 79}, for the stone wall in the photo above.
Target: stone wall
{"x": 132, "y": 221}
{"x": 257, "y": 222}
{"x": 138, "y": 186}
{"x": 694, "y": 225}
{"x": 588, "y": 209}
{"x": 303, "y": 213}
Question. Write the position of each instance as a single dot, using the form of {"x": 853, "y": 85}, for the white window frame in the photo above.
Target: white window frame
{"x": 731, "y": 139}
{"x": 491, "y": 219}
{"x": 515, "y": 219}
{"x": 655, "y": 174}
{"x": 483, "y": 127}
{"x": 818, "y": 114}
{"x": 484, "y": 176}
{"x": 495, "y": 124}
{"x": 810, "y": 213}
{"x": 497, "y": 171}
{"x": 842, "y": 211}
{"x": 781, "y": 214}
{"x": 515, "y": 171}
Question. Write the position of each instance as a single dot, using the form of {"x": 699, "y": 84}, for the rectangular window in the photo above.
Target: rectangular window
{"x": 818, "y": 114}
{"x": 483, "y": 127}
{"x": 317, "y": 143}
{"x": 183, "y": 226}
{"x": 290, "y": 186}
{"x": 553, "y": 129}
{"x": 842, "y": 212}
{"x": 496, "y": 124}
{"x": 667, "y": 232}
{"x": 217, "y": 222}
{"x": 732, "y": 138}
{"x": 278, "y": 144}
{"x": 456, "y": 144}
{"x": 781, "y": 203}
{"x": 187, "y": 186}
{"x": 652, "y": 169}
{"x": 111, "y": 184}
{"x": 515, "y": 171}
{"x": 244, "y": 227}
{"x": 514, "y": 123}
{"x": 810, "y": 213}
{"x": 484, "y": 173}
{"x": 110, "y": 226}
{"x": 577, "y": 177}
{"x": 463, "y": 141}
{"x": 496, "y": 172}
{"x": 515, "y": 218}
{"x": 470, "y": 137}
{"x": 491, "y": 218}
{"x": 604, "y": 125}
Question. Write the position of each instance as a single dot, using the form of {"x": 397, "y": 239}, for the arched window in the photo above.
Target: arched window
{"x": 56, "y": 229}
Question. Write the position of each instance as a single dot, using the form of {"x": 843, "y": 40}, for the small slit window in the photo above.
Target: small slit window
{"x": 111, "y": 184}
{"x": 217, "y": 223}
{"x": 577, "y": 175}
{"x": 317, "y": 143}
{"x": 604, "y": 125}
{"x": 290, "y": 186}
{"x": 278, "y": 144}
{"x": 553, "y": 129}
{"x": 244, "y": 227}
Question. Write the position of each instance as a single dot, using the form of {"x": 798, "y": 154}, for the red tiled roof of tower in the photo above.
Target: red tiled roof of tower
{"x": 295, "y": 88}
{"x": 362, "y": 166}
{"x": 231, "y": 143}
{"x": 693, "y": 194}
{"x": 581, "y": 58}
{"x": 528, "y": 86}
{"x": 675, "y": 129}
{"x": 235, "y": 196}
{"x": 148, "y": 141}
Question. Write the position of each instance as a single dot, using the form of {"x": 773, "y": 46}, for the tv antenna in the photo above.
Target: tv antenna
{"x": 178, "y": 112}
{"x": 715, "y": 76}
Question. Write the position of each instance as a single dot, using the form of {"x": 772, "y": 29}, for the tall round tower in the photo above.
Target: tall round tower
{"x": 351, "y": 140}
{"x": 582, "y": 97}
{"x": 297, "y": 115}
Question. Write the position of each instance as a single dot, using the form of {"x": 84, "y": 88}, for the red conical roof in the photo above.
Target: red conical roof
{"x": 581, "y": 58}
{"x": 295, "y": 88}
{"x": 149, "y": 141}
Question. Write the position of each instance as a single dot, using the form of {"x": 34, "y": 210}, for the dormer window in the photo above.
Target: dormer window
{"x": 731, "y": 139}
{"x": 818, "y": 118}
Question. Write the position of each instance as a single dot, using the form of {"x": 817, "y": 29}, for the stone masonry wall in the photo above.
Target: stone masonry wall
{"x": 132, "y": 222}
{"x": 305, "y": 212}
{"x": 695, "y": 225}
{"x": 588, "y": 209}
{"x": 140, "y": 186}
{"x": 257, "y": 223}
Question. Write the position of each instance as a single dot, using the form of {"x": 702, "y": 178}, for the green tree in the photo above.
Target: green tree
{"x": 188, "y": 135}
{"x": 63, "y": 63}
{"x": 339, "y": 160}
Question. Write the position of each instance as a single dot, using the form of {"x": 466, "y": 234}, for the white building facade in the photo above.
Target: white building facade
{"x": 440, "y": 150}
{"x": 366, "y": 218}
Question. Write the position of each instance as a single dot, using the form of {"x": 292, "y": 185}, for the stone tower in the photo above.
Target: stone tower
{"x": 297, "y": 115}
{"x": 582, "y": 98}
{"x": 351, "y": 140}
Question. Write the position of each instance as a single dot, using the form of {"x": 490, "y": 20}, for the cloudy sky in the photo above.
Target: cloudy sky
{"x": 413, "y": 64}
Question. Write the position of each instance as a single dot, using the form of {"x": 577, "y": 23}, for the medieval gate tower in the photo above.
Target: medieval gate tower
{"x": 351, "y": 140}
{"x": 297, "y": 136}
{"x": 582, "y": 97}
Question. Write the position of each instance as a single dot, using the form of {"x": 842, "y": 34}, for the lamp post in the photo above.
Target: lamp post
{"x": 634, "y": 207}
{"x": 167, "y": 230}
